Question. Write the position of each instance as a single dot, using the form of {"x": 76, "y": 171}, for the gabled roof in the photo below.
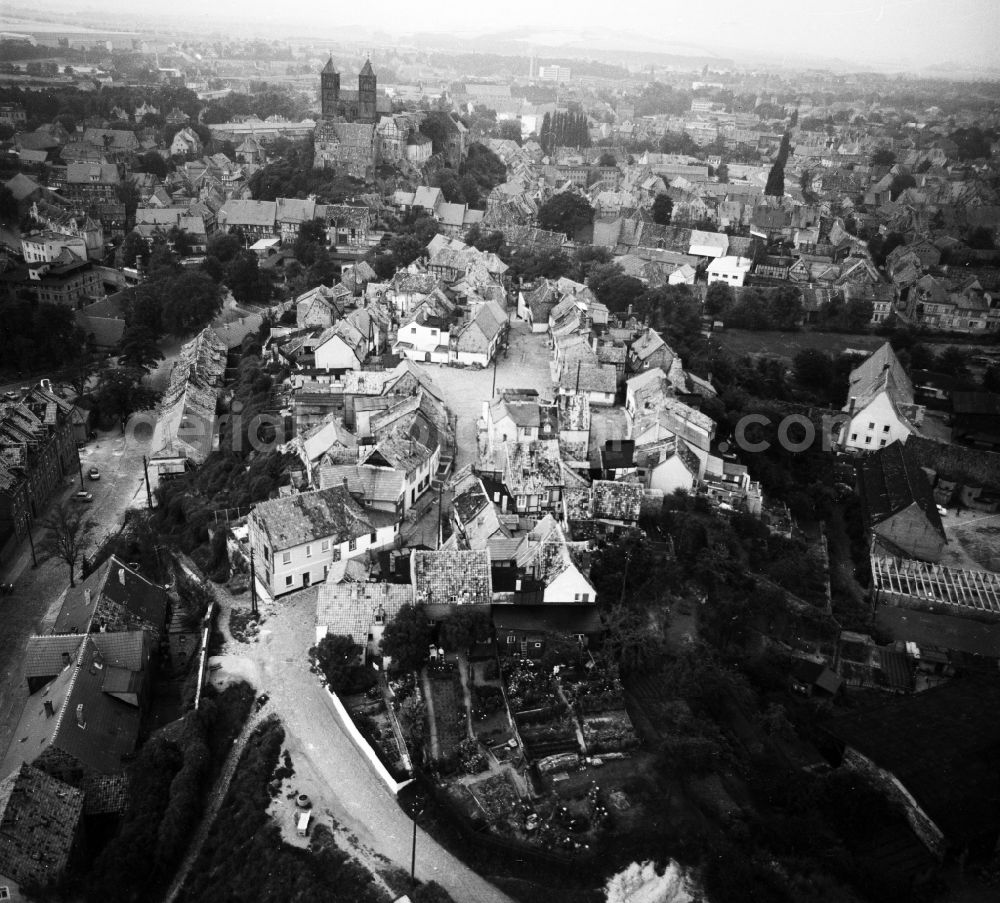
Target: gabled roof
{"x": 114, "y": 598}
{"x": 88, "y": 722}
{"x": 306, "y": 516}
{"x": 349, "y": 608}
{"x": 443, "y": 577}
{"x": 39, "y": 817}
{"x": 890, "y": 481}
{"x": 882, "y": 371}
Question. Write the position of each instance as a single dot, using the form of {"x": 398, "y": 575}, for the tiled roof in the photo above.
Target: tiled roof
{"x": 350, "y": 608}
{"x": 373, "y": 484}
{"x": 87, "y": 723}
{"x": 39, "y": 817}
{"x": 451, "y": 576}
{"x": 307, "y": 516}
{"x": 46, "y": 656}
{"x": 891, "y": 480}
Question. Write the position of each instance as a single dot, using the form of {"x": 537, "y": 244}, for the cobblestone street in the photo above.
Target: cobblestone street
{"x": 327, "y": 765}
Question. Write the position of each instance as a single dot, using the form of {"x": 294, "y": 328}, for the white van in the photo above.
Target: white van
{"x": 304, "y": 820}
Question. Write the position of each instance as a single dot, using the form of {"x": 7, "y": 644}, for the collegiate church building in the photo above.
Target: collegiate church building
{"x": 350, "y": 106}
{"x": 345, "y": 138}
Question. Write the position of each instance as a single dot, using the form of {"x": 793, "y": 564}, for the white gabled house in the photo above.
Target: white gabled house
{"x": 295, "y": 539}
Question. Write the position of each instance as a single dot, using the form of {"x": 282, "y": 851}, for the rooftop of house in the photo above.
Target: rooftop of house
{"x": 112, "y": 599}
{"x": 306, "y": 516}
{"x": 553, "y": 619}
{"x": 891, "y": 480}
{"x": 441, "y": 577}
{"x": 350, "y": 608}
{"x": 85, "y": 712}
{"x": 968, "y": 466}
{"x": 39, "y": 818}
{"x": 880, "y": 371}
{"x": 942, "y": 745}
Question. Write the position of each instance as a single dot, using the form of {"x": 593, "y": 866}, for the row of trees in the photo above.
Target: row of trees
{"x": 563, "y": 130}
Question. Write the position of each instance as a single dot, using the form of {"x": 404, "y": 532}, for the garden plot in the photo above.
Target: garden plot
{"x": 448, "y": 705}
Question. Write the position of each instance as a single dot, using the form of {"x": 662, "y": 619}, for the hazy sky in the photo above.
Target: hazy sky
{"x": 921, "y": 32}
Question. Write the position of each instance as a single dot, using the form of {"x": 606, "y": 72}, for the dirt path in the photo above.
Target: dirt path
{"x": 341, "y": 783}
{"x": 431, "y": 720}
{"x": 214, "y": 803}
{"x": 463, "y": 676}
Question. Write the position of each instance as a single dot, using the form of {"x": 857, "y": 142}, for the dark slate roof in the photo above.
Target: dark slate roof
{"x": 890, "y": 480}
{"x": 39, "y": 816}
{"x": 944, "y": 746}
{"x": 118, "y": 599}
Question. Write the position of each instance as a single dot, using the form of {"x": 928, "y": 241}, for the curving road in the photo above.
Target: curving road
{"x": 327, "y": 765}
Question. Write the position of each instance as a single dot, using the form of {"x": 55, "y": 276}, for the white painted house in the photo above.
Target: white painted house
{"x": 880, "y": 409}
{"x": 729, "y": 270}
{"x": 295, "y": 539}
{"x": 341, "y": 347}
{"x": 708, "y": 244}
{"x": 424, "y": 337}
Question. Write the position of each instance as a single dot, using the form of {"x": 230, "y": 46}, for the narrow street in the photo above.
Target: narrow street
{"x": 328, "y": 766}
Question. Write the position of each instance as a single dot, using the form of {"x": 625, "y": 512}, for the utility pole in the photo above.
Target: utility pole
{"x": 413, "y": 854}
{"x": 253, "y": 586}
{"x": 145, "y": 473}
{"x": 496, "y": 362}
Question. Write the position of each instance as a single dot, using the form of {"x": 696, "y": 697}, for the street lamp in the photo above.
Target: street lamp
{"x": 413, "y": 850}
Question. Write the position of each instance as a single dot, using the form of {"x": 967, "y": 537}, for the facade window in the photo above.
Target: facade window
{"x": 286, "y": 557}
{"x": 881, "y": 444}
{"x": 325, "y": 545}
{"x": 352, "y": 544}
{"x": 288, "y": 580}
{"x": 868, "y": 440}
{"x": 309, "y": 551}
{"x": 373, "y": 538}
{"x": 885, "y": 429}
{"x": 511, "y": 639}
{"x": 854, "y": 437}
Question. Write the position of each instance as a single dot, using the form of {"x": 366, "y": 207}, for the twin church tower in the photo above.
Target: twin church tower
{"x": 349, "y": 106}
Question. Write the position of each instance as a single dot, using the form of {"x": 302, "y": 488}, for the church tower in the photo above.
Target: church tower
{"x": 329, "y": 90}
{"x": 367, "y": 108}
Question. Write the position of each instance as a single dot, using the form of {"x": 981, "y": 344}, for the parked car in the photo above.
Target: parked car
{"x": 94, "y": 473}
{"x": 83, "y": 496}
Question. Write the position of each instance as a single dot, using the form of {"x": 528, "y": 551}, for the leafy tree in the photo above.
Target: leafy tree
{"x": 224, "y": 247}
{"x": 510, "y": 130}
{"x": 133, "y": 248}
{"x": 431, "y": 892}
{"x": 467, "y": 626}
{"x": 139, "y": 349}
{"x": 991, "y": 378}
{"x": 407, "y": 638}
{"x": 120, "y": 394}
{"x": 310, "y": 240}
{"x": 663, "y": 209}
{"x": 954, "y": 361}
{"x": 718, "y": 298}
{"x": 900, "y": 182}
{"x": 337, "y": 658}
{"x": 67, "y": 530}
{"x": 775, "y": 186}
{"x": 9, "y": 210}
{"x": 245, "y": 280}
{"x": 189, "y": 301}
{"x": 153, "y": 163}
{"x": 813, "y": 368}
{"x": 182, "y": 241}
{"x": 566, "y": 212}
{"x": 620, "y": 292}
{"x": 490, "y": 242}
{"x": 883, "y": 157}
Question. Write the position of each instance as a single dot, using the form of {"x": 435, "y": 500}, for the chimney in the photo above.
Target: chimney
{"x": 49, "y": 711}
{"x": 86, "y": 599}
{"x": 851, "y": 403}
{"x": 121, "y": 576}
{"x": 79, "y": 716}
{"x": 66, "y": 660}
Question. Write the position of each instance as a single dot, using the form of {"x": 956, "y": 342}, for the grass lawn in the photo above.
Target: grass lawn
{"x": 449, "y": 712}
{"x": 786, "y": 345}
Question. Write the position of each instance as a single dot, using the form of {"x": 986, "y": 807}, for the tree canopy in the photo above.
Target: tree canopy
{"x": 566, "y": 212}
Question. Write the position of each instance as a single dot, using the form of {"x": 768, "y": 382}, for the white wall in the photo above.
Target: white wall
{"x": 881, "y": 413}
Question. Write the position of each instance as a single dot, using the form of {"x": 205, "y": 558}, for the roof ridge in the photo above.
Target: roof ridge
{"x": 69, "y": 686}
